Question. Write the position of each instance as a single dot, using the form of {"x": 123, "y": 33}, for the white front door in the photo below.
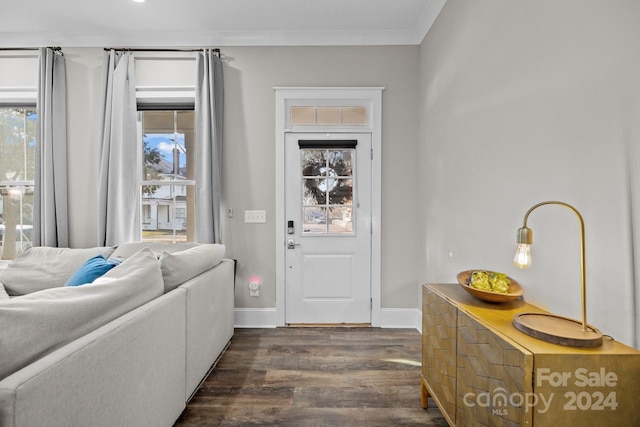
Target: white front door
{"x": 328, "y": 233}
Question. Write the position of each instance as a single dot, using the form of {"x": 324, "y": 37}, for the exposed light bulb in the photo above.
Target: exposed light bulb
{"x": 523, "y": 256}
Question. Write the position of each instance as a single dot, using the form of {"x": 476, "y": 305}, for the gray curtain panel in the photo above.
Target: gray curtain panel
{"x": 119, "y": 192}
{"x": 50, "y": 213}
{"x": 208, "y": 146}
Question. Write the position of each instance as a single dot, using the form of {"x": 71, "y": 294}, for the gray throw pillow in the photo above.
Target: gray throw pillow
{"x": 42, "y": 267}
{"x": 178, "y": 267}
{"x": 125, "y": 250}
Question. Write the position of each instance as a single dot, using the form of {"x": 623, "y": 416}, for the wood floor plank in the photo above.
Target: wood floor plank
{"x": 357, "y": 397}
{"x": 386, "y": 417}
{"x": 345, "y": 376}
{"x": 370, "y": 351}
{"x": 244, "y": 396}
{"x": 261, "y": 363}
{"x": 342, "y": 378}
{"x": 334, "y": 363}
{"x": 233, "y": 378}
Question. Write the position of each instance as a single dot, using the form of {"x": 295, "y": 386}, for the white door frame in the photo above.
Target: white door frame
{"x": 371, "y": 97}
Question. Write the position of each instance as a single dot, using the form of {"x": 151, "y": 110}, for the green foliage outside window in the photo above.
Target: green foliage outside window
{"x": 17, "y": 167}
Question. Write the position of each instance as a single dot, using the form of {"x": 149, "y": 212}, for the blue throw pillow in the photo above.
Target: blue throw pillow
{"x": 91, "y": 270}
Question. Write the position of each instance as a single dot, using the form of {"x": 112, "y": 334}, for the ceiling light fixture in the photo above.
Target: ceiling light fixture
{"x": 547, "y": 326}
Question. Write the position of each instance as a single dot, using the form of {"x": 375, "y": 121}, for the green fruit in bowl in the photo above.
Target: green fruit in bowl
{"x": 490, "y": 281}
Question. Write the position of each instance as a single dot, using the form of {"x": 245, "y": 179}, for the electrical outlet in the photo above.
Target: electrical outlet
{"x": 254, "y": 289}
{"x": 255, "y": 216}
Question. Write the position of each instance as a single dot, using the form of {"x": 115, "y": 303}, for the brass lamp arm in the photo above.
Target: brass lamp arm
{"x": 582, "y": 251}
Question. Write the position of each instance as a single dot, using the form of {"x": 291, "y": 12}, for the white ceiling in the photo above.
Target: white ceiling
{"x": 174, "y": 23}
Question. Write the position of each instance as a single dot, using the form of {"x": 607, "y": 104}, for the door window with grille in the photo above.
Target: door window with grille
{"x": 328, "y": 176}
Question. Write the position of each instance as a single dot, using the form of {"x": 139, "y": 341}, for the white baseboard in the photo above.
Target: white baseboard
{"x": 406, "y": 318}
{"x": 389, "y": 318}
{"x": 255, "y": 317}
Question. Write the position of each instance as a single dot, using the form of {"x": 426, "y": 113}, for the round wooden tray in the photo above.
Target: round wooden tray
{"x": 514, "y": 291}
{"x": 558, "y": 330}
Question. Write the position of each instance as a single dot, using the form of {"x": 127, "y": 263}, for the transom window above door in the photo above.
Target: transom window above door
{"x": 328, "y": 115}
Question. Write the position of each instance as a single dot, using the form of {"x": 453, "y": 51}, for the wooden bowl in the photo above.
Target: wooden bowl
{"x": 514, "y": 291}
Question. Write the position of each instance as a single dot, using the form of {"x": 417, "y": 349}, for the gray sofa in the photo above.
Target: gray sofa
{"x": 152, "y": 331}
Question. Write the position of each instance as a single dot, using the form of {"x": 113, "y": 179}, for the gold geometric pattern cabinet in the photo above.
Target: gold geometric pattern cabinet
{"x": 439, "y": 328}
{"x": 481, "y": 371}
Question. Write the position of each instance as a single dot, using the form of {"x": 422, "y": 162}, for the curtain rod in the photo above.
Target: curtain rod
{"x": 57, "y": 48}
{"x": 216, "y": 50}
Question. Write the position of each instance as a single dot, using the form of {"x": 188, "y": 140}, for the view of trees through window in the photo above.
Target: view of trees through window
{"x": 17, "y": 164}
{"x": 168, "y": 186}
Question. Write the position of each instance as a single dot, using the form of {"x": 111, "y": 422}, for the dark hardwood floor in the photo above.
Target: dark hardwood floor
{"x": 315, "y": 377}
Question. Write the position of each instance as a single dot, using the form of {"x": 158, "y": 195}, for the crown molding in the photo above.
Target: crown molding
{"x": 230, "y": 38}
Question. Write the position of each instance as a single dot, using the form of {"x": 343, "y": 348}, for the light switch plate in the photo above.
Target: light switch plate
{"x": 259, "y": 216}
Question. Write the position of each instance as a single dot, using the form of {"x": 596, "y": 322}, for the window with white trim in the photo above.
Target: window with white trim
{"x": 17, "y": 167}
{"x": 167, "y": 188}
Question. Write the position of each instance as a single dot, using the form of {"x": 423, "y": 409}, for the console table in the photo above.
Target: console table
{"x": 481, "y": 371}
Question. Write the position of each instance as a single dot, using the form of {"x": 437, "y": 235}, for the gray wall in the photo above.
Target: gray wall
{"x": 250, "y": 76}
{"x": 522, "y": 102}
{"x": 251, "y": 73}
{"x": 504, "y": 104}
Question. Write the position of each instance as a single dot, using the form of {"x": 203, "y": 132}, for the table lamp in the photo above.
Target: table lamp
{"x": 547, "y": 326}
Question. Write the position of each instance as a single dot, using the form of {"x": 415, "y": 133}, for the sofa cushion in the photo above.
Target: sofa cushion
{"x": 127, "y": 249}
{"x": 178, "y": 267}
{"x": 91, "y": 270}
{"x": 33, "y": 325}
{"x": 3, "y": 293}
{"x": 42, "y": 267}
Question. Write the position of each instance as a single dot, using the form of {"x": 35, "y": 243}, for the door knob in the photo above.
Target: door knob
{"x": 291, "y": 244}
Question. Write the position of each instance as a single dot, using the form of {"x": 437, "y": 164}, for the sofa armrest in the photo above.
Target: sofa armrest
{"x": 210, "y": 317}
